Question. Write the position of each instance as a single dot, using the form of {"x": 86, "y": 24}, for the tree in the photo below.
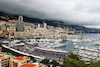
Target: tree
{"x": 46, "y": 61}
{"x": 32, "y": 58}
{"x": 74, "y": 56}
{"x": 54, "y": 63}
{"x": 73, "y": 63}
{"x": 96, "y": 64}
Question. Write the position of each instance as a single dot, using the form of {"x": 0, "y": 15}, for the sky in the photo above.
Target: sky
{"x": 77, "y": 12}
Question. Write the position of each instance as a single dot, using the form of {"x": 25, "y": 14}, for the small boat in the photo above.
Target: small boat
{"x": 76, "y": 47}
{"x": 90, "y": 53}
{"x": 97, "y": 42}
{"x": 81, "y": 40}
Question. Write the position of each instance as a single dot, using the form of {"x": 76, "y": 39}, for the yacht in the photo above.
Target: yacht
{"x": 71, "y": 37}
{"x": 76, "y": 47}
{"x": 89, "y": 54}
{"x": 81, "y": 40}
{"x": 53, "y": 43}
{"x": 57, "y": 44}
{"x": 97, "y": 42}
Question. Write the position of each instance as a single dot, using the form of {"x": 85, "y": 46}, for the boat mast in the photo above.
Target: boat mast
{"x": 97, "y": 36}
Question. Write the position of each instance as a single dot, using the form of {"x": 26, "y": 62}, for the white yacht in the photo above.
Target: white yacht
{"x": 49, "y": 40}
{"x": 97, "y": 42}
{"x": 89, "y": 54}
{"x": 81, "y": 40}
{"x": 76, "y": 47}
{"x": 57, "y": 44}
{"x": 71, "y": 37}
{"x": 46, "y": 42}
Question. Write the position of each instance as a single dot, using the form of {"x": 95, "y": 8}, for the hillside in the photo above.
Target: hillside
{"x": 84, "y": 29}
{"x": 51, "y": 22}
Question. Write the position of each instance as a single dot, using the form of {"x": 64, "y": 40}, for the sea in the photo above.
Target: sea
{"x": 70, "y": 45}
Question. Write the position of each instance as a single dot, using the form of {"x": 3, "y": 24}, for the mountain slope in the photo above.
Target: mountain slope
{"x": 51, "y": 22}
{"x": 84, "y": 29}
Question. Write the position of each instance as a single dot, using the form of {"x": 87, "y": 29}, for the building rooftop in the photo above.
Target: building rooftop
{"x": 20, "y": 58}
{"x": 28, "y": 65}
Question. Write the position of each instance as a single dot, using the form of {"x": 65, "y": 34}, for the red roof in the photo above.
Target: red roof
{"x": 28, "y": 65}
{"x": 20, "y": 58}
{"x": 5, "y": 31}
{"x": 1, "y": 55}
{"x": 2, "y": 33}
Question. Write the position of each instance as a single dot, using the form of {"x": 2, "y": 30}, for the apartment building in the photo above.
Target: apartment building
{"x": 4, "y": 60}
{"x": 19, "y": 61}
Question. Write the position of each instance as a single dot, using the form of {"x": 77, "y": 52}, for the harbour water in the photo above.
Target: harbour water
{"x": 70, "y": 45}
{"x": 91, "y": 35}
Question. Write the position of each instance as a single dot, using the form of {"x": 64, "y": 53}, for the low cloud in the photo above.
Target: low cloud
{"x": 79, "y": 12}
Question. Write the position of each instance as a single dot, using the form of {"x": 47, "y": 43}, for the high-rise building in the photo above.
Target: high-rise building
{"x": 20, "y": 24}
{"x": 44, "y": 24}
{"x": 38, "y": 25}
{"x": 20, "y": 18}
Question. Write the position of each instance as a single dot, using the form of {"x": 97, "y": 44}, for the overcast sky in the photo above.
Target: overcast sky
{"x": 79, "y": 12}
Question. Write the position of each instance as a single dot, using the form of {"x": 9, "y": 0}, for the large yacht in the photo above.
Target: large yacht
{"x": 53, "y": 43}
{"x": 50, "y": 40}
